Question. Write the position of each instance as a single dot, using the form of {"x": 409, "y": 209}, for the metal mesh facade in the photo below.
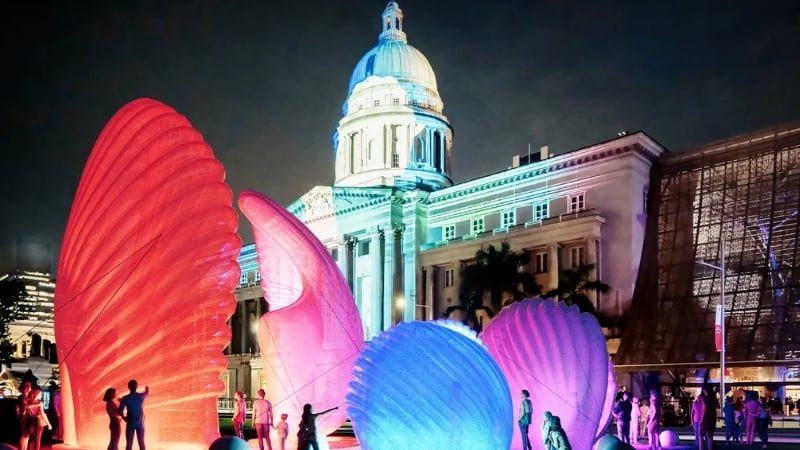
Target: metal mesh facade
{"x": 742, "y": 194}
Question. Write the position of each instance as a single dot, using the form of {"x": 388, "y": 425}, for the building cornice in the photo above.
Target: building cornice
{"x": 638, "y": 143}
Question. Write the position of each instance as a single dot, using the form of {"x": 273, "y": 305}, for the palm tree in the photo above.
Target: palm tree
{"x": 573, "y": 284}
{"x": 499, "y": 273}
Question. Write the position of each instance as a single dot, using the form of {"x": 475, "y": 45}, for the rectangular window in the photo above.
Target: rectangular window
{"x": 243, "y": 278}
{"x": 477, "y": 226}
{"x": 508, "y": 219}
{"x": 542, "y": 263}
{"x": 335, "y": 254}
{"x": 363, "y": 248}
{"x": 395, "y": 160}
{"x": 576, "y": 202}
{"x": 449, "y": 278}
{"x": 396, "y": 101}
{"x": 449, "y": 232}
{"x": 576, "y": 256}
{"x": 258, "y": 276}
{"x": 376, "y": 103}
{"x": 541, "y": 211}
{"x": 644, "y": 201}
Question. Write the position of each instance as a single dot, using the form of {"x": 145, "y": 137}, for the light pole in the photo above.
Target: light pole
{"x": 721, "y": 307}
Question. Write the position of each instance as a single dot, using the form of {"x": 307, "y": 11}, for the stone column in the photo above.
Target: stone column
{"x": 373, "y": 322}
{"x": 554, "y": 265}
{"x": 429, "y": 271}
{"x": 591, "y": 258}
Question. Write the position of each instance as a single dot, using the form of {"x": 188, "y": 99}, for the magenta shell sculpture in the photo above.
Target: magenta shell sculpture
{"x": 559, "y": 355}
{"x": 145, "y": 280}
{"x": 429, "y": 385}
{"x": 312, "y": 334}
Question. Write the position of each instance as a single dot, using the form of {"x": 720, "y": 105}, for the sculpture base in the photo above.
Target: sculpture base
{"x": 334, "y": 443}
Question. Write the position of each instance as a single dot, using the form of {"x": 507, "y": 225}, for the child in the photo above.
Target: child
{"x": 283, "y": 430}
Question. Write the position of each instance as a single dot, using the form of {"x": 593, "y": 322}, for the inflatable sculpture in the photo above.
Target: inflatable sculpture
{"x": 559, "y": 355}
{"x": 429, "y": 385}
{"x": 312, "y": 334}
{"x": 145, "y": 280}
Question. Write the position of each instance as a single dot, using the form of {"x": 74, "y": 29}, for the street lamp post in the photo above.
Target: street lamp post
{"x": 722, "y": 327}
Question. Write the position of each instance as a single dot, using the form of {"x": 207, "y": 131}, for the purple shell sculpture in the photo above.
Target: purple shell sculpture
{"x": 429, "y": 385}
{"x": 559, "y": 355}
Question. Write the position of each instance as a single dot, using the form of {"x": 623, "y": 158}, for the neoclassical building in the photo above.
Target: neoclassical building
{"x": 401, "y": 231}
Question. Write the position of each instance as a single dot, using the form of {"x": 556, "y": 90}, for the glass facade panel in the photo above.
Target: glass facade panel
{"x": 741, "y": 195}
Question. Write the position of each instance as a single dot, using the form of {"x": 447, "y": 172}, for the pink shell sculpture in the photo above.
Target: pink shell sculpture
{"x": 312, "y": 335}
{"x": 559, "y": 355}
{"x": 145, "y": 280}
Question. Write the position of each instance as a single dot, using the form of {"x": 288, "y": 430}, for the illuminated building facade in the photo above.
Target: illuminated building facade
{"x": 401, "y": 232}
{"x": 738, "y": 197}
{"x": 32, "y": 332}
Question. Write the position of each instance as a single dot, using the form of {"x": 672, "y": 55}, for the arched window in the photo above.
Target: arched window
{"x": 437, "y": 151}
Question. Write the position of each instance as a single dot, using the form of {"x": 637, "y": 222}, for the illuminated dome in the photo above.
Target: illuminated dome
{"x": 393, "y": 130}
{"x": 393, "y": 57}
{"x": 396, "y": 59}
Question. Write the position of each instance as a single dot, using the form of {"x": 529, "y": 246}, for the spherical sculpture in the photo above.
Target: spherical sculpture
{"x": 145, "y": 280}
{"x": 668, "y": 438}
{"x": 423, "y": 385}
{"x": 559, "y": 355}
{"x": 229, "y": 443}
{"x": 609, "y": 442}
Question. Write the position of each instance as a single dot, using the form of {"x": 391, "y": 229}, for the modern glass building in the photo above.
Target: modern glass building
{"x": 731, "y": 204}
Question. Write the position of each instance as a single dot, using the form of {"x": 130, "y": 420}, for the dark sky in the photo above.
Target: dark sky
{"x": 264, "y": 81}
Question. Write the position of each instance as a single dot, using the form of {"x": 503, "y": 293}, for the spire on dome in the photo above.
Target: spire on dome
{"x": 392, "y": 25}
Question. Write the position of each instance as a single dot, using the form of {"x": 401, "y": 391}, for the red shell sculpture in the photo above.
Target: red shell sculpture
{"x": 312, "y": 335}
{"x": 145, "y": 280}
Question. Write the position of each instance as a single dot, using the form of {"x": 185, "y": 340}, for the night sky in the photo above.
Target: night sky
{"x": 264, "y": 81}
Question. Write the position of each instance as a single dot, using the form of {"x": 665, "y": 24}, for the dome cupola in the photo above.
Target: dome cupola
{"x": 393, "y": 131}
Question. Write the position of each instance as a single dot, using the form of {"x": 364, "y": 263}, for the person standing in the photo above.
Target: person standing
{"x": 696, "y": 416}
{"x": 622, "y": 413}
{"x": 653, "y": 417}
{"x": 22, "y": 419}
{"x": 762, "y": 426}
{"x": 752, "y": 409}
{"x": 36, "y": 419}
{"x": 307, "y": 433}
{"x": 58, "y": 432}
{"x": 636, "y": 418}
{"x": 239, "y": 413}
{"x": 729, "y": 416}
{"x": 708, "y": 420}
{"x": 131, "y": 408}
{"x": 283, "y": 430}
{"x": 112, "y": 409}
{"x": 525, "y": 418}
{"x": 262, "y": 419}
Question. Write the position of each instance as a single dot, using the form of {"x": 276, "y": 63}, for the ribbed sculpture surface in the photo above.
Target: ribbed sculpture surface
{"x": 429, "y": 385}
{"x": 312, "y": 334}
{"x": 145, "y": 280}
{"x": 559, "y": 355}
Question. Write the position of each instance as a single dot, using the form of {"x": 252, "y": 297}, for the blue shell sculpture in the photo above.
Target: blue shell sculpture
{"x": 429, "y": 385}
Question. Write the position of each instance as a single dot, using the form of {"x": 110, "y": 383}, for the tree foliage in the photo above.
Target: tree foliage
{"x": 499, "y": 272}
{"x": 573, "y": 284}
{"x": 12, "y": 291}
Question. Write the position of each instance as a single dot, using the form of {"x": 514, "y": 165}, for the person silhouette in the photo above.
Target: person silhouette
{"x": 307, "y": 434}
{"x": 525, "y": 408}
{"x": 112, "y": 409}
{"x": 131, "y": 408}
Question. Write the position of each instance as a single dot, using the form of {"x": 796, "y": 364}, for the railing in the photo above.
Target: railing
{"x": 225, "y": 404}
